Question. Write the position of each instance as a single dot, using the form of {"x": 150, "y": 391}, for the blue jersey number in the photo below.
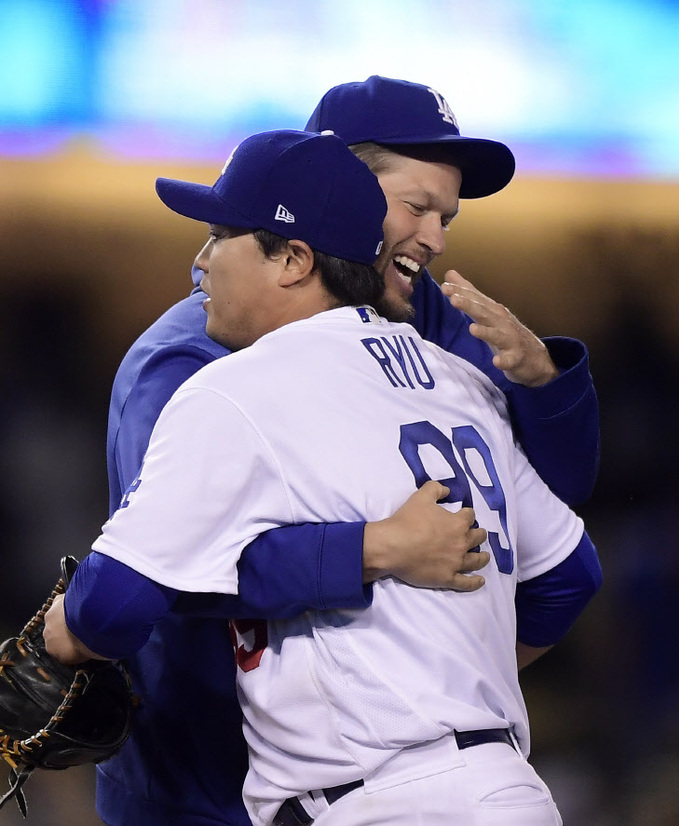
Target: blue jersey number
{"x": 456, "y": 451}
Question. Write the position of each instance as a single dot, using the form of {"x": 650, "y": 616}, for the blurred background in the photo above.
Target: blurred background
{"x": 99, "y": 97}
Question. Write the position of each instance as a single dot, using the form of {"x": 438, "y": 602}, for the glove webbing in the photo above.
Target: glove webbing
{"x": 11, "y": 749}
{"x": 16, "y": 781}
{"x": 15, "y": 751}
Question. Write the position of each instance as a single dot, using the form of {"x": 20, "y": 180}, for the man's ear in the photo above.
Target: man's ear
{"x": 298, "y": 263}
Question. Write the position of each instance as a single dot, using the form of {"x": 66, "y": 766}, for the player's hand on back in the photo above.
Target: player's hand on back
{"x": 518, "y": 352}
{"x": 426, "y": 545}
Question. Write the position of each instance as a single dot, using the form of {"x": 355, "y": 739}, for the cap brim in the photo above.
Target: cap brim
{"x": 199, "y": 202}
{"x": 487, "y": 166}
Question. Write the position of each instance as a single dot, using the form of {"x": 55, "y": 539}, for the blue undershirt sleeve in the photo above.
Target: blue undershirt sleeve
{"x": 548, "y": 605}
{"x": 303, "y": 567}
{"x": 558, "y": 423}
{"x": 289, "y": 570}
{"x": 112, "y": 608}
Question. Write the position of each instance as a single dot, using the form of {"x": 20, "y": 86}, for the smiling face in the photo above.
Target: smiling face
{"x": 422, "y": 199}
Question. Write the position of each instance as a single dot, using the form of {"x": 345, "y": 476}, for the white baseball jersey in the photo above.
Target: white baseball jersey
{"x": 341, "y": 417}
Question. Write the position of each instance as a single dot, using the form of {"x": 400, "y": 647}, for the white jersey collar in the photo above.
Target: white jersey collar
{"x": 363, "y": 314}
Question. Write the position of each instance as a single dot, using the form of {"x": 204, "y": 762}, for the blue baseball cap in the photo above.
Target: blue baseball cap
{"x": 295, "y": 184}
{"x": 399, "y": 113}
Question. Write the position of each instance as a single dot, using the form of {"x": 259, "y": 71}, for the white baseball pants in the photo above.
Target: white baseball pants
{"x": 493, "y": 786}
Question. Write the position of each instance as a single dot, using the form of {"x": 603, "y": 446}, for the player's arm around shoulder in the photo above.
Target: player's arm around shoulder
{"x": 288, "y": 570}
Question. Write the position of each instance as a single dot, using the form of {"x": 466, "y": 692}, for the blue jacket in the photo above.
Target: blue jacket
{"x": 186, "y": 759}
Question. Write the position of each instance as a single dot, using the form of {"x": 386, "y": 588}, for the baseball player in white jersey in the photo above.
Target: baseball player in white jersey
{"x": 409, "y": 711}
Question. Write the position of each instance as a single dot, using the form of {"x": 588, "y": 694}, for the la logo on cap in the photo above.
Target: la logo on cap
{"x": 444, "y": 108}
{"x": 282, "y": 214}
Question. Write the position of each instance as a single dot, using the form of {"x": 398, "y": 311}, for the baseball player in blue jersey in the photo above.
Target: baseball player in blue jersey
{"x": 150, "y": 782}
{"x": 409, "y": 709}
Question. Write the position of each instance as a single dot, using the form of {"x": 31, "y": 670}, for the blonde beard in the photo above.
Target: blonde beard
{"x": 398, "y": 310}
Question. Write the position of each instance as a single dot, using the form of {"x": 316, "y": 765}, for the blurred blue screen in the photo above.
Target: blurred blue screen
{"x": 586, "y": 87}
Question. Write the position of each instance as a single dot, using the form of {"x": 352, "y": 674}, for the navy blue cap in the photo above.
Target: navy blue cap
{"x": 397, "y": 112}
{"x": 294, "y": 184}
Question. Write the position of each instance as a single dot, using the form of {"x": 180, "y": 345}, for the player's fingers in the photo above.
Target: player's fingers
{"x": 454, "y": 278}
{"x": 481, "y": 331}
{"x": 466, "y": 292}
{"x": 495, "y": 335}
{"x": 455, "y": 284}
{"x": 474, "y": 561}
{"x": 466, "y": 583}
{"x": 468, "y": 515}
{"x": 472, "y": 296}
{"x": 469, "y": 300}
{"x": 54, "y": 612}
{"x": 487, "y": 314}
{"x": 434, "y": 490}
{"x": 476, "y": 537}
{"x": 507, "y": 360}
{"x": 430, "y": 491}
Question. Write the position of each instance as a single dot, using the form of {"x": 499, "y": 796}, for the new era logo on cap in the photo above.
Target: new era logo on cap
{"x": 282, "y": 214}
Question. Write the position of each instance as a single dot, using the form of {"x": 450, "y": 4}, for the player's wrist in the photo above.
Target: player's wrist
{"x": 375, "y": 551}
{"x": 532, "y": 373}
{"x": 82, "y": 653}
{"x": 539, "y": 379}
